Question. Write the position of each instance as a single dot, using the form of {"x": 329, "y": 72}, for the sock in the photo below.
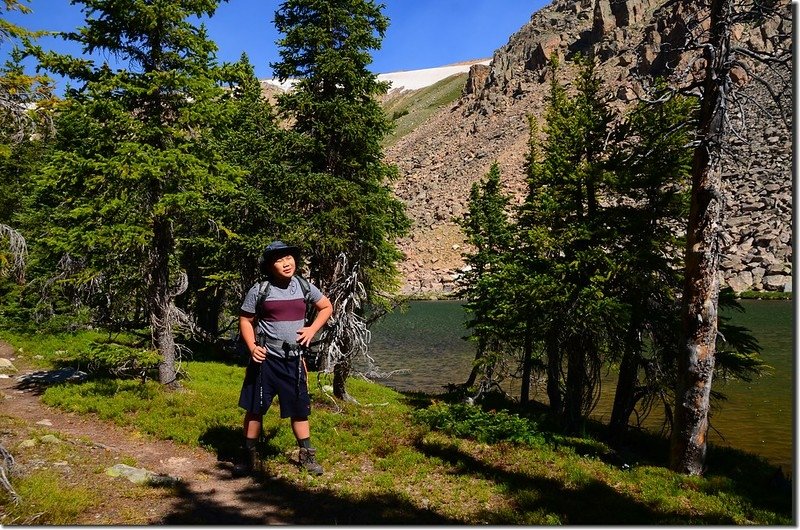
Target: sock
{"x": 250, "y": 443}
{"x": 305, "y": 443}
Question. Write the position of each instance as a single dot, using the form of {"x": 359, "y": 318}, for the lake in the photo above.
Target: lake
{"x": 427, "y": 340}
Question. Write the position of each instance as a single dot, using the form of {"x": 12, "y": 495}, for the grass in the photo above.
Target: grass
{"x": 63, "y": 482}
{"x": 411, "y": 459}
{"x": 410, "y": 109}
{"x": 765, "y": 295}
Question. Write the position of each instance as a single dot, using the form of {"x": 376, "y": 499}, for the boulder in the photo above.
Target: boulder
{"x": 140, "y": 475}
{"x": 775, "y": 282}
{"x": 7, "y": 366}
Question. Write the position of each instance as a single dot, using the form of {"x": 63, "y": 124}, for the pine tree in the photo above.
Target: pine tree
{"x": 338, "y": 126}
{"x": 651, "y": 168}
{"x": 565, "y": 235}
{"x": 223, "y": 257}
{"x": 26, "y": 103}
{"x": 135, "y": 170}
{"x": 488, "y": 228}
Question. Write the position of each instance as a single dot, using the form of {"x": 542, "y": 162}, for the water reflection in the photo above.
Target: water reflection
{"x": 428, "y": 341}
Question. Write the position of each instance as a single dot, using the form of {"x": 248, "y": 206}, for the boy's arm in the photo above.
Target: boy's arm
{"x": 324, "y": 311}
{"x": 247, "y": 327}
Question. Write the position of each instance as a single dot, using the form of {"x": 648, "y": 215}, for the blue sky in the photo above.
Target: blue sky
{"x": 422, "y": 33}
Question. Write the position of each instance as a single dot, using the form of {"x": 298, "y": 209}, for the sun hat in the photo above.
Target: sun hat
{"x": 275, "y": 250}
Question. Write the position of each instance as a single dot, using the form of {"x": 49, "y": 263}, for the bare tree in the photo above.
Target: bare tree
{"x": 705, "y": 56}
{"x": 346, "y": 336}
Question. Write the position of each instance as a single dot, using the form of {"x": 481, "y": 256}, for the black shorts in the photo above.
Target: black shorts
{"x": 286, "y": 378}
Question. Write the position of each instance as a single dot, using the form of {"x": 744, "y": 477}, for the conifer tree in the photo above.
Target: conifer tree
{"x": 488, "y": 229}
{"x": 651, "y": 168}
{"x": 224, "y": 255}
{"x": 564, "y": 240}
{"x": 338, "y": 126}
{"x": 25, "y": 123}
{"x": 135, "y": 170}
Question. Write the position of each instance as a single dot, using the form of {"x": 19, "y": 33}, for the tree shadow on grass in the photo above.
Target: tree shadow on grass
{"x": 272, "y": 500}
{"x": 284, "y": 501}
{"x": 592, "y": 502}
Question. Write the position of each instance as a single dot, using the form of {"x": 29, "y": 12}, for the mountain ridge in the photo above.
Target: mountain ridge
{"x": 441, "y": 158}
{"x": 456, "y": 134}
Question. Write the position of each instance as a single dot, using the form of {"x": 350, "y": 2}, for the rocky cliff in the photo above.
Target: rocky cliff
{"x": 441, "y": 158}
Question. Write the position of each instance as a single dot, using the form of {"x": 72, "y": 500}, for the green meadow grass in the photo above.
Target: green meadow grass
{"x": 397, "y": 458}
{"x": 411, "y": 109}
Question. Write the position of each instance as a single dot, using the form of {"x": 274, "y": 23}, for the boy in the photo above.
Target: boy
{"x": 274, "y": 333}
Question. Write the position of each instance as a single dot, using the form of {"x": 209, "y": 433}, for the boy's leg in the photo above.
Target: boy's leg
{"x": 300, "y": 428}
{"x": 308, "y": 455}
{"x": 252, "y": 425}
{"x": 249, "y": 460}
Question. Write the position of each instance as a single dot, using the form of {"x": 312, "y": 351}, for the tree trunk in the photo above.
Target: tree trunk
{"x": 160, "y": 300}
{"x": 625, "y": 395}
{"x": 701, "y": 288}
{"x": 473, "y": 374}
{"x": 341, "y": 371}
{"x": 527, "y": 360}
{"x": 554, "y": 376}
{"x": 576, "y": 383}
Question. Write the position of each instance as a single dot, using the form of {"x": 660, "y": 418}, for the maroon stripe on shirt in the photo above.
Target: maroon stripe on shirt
{"x": 284, "y": 310}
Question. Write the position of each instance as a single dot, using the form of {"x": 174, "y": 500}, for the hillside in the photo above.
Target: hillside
{"x": 453, "y": 122}
{"x": 440, "y": 158}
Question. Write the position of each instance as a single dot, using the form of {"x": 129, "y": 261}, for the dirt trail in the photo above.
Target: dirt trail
{"x": 208, "y": 493}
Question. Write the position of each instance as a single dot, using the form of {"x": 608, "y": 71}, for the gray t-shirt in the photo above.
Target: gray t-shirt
{"x": 282, "y": 312}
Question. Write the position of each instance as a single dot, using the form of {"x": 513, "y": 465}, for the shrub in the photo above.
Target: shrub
{"x": 399, "y": 114}
{"x": 468, "y": 421}
{"x": 117, "y": 360}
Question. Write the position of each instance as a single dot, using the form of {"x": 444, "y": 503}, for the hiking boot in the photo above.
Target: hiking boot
{"x": 248, "y": 462}
{"x": 308, "y": 461}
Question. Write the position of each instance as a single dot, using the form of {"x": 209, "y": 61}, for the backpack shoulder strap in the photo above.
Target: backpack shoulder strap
{"x": 263, "y": 292}
{"x": 305, "y": 287}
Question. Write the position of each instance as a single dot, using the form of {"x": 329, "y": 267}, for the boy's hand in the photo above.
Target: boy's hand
{"x": 258, "y": 354}
{"x": 305, "y": 335}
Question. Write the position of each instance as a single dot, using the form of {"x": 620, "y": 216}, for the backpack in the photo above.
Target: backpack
{"x": 311, "y": 310}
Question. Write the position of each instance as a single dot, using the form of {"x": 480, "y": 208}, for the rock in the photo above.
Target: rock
{"x": 476, "y": 79}
{"x": 140, "y": 475}
{"x": 741, "y": 282}
{"x": 46, "y": 423}
{"x": 27, "y": 443}
{"x": 774, "y": 282}
{"x": 6, "y": 365}
{"x": 739, "y": 75}
{"x": 758, "y": 274}
{"x": 50, "y": 439}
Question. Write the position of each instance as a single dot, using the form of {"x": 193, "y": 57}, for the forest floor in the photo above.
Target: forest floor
{"x": 207, "y": 492}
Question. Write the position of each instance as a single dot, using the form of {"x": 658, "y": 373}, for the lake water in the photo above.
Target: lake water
{"x": 427, "y": 340}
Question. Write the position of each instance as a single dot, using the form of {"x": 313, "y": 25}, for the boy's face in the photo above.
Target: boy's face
{"x": 283, "y": 267}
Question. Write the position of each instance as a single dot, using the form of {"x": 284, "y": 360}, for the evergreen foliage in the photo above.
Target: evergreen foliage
{"x": 586, "y": 274}
{"x": 336, "y": 147}
{"x": 488, "y": 229}
{"x": 135, "y": 171}
{"x": 564, "y": 238}
{"x": 338, "y": 127}
{"x": 26, "y": 103}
